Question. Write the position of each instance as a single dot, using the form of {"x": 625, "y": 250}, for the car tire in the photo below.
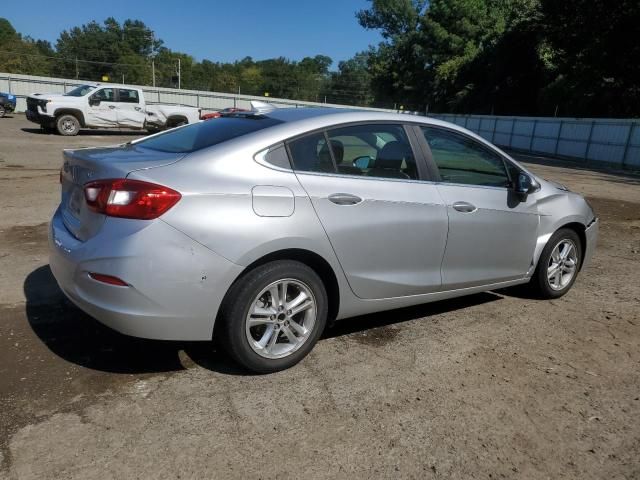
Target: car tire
{"x": 67, "y": 125}
{"x": 252, "y": 315}
{"x": 558, "y": 265}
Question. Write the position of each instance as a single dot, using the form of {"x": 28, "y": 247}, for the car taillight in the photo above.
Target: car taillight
{"x": 108, "y": 279}
{"x": 129, "y": 198}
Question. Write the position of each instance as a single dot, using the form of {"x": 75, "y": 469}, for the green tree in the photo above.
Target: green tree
{"x": 22, "y": 55}
{"x": 351, "y": 84}
{"x": 592, "y": 51}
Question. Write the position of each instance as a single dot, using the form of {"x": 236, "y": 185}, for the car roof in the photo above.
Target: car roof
{"x": 322, "y": 117}
{"x": 301, "y": 121}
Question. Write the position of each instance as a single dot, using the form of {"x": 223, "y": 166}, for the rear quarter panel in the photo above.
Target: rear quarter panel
{"x": 218, "y": 207}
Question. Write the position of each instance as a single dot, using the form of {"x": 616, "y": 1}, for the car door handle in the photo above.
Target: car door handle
{"x": 344, "y": 199}
{"x": 112, "y": 107}
{"x": 464, "y": 207}
{"x": 137, "y": 109}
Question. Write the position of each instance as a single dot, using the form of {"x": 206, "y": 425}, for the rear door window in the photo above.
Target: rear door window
{"x": 375, "y": 150}
{"x": 128, "y": 96}
{"x": 311, "y": 154}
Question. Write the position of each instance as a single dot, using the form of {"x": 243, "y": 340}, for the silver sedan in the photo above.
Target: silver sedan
{"x": 258, "y": 228}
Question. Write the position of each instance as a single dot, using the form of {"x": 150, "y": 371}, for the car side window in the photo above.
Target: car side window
{"x": 374, "y": 150}
{"x": 311, "y": 154}
{"x": 277, "y": 156}
{"x": 103, "y": 95}
{"x": 462, "y": 160}
{"x": 128, "y": 96}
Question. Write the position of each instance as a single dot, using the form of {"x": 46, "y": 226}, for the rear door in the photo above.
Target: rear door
{"x": 130, "y": 110}
{"x": 492, "y": 234}
{"x": 387, "y": 228}
{"x": 101, "y": 110}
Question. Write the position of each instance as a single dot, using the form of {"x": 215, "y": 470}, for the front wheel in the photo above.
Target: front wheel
{"x": 558, "y": 265}
{"x": 67, "y": 125}
{"x": 273, "y": 316}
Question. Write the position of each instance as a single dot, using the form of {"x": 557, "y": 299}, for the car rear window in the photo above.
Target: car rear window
{"x": 206, "y": 134}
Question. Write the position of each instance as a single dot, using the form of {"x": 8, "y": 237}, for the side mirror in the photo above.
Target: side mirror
{"x": 363, "y": 162}
{"x": 94, "y": 102}
{"x": 524, "y": 185}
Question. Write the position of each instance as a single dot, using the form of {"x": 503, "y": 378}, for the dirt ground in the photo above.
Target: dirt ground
{"x": 490, "y": 386}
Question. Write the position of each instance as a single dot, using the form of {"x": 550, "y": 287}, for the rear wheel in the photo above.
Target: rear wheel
{"x": 67, "y": 125}
{"x": 273, "y": 316}
{"x": 558, "y": 265}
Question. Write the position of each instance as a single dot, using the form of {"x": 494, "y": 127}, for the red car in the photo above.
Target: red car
{"x": 218, "y": 114}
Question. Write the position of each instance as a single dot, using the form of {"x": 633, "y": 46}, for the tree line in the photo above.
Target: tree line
{"x": 506, "y": 57}
{"x": 131, "y": 53}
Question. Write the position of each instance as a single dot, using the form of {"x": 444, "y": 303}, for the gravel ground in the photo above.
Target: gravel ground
{"x": 494, "y": 385}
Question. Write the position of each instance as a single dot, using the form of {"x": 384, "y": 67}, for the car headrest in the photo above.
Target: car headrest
{"x": 392, "y": 155}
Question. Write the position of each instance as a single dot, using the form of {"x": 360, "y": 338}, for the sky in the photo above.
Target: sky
{"x": 218, "y": 30}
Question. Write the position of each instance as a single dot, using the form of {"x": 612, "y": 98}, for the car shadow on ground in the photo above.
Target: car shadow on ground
{"x": 83, "y": 133}
{"x": 77, "y": 338}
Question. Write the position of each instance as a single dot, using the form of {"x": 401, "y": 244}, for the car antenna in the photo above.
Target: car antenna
{"x": 258, "y": 107}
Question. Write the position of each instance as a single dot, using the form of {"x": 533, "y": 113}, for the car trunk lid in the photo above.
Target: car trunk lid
{"x": 87, "y": 165}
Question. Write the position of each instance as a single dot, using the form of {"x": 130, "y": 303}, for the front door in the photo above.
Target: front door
{"x": 387, "y": 229}
{"x": 101, "y": 111}
{"x": 492, "y": 234}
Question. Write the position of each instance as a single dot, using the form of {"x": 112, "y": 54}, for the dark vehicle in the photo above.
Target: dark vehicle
{"x": 7, "y": 103}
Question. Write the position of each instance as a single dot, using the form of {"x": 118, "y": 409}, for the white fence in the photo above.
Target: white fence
{"x": 615, "y": 142}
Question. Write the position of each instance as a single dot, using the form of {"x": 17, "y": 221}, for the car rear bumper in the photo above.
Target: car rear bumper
{"x": 175, "y": 285}
{"x": 591, "y": 234}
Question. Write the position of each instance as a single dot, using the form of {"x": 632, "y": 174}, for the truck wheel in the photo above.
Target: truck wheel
{"x": 174, "y": 122}
{"x": 2, "y": 111}
{"x": 67, "y": 125}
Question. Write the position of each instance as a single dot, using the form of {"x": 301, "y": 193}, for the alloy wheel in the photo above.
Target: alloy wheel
{"x": 281, "y": 318}
{"x": 563, "y": 264}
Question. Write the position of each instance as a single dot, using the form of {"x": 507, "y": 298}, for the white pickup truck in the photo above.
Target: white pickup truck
{"x": 104, "y": 106}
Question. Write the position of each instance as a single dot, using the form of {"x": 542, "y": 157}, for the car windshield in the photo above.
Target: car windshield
{"x": 206, "y": 134}
{"x": 80, "y": 91}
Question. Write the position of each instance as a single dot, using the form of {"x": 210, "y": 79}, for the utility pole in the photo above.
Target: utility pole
{"x": 153, "y": 57}
{"x": 179, "y": 80}
{"x": 77, "y": 71}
